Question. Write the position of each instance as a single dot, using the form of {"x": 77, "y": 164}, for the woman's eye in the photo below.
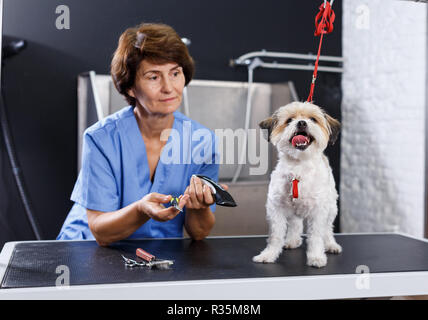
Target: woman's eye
{"x": 176, "y": 73}
{"x": 153, "y": 78}
{"x": 289, "y": 120}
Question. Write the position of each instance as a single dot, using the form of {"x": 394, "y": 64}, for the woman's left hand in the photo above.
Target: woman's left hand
{"x": 200, "y": 196}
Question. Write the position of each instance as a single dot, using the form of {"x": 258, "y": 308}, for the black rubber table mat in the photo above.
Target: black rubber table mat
{"x": 34, "y": 264}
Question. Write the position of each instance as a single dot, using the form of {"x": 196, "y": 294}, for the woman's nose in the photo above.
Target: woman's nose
{"x": 166, "y": 85}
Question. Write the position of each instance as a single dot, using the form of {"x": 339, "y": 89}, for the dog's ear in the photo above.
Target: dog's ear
{"x": 268, "y": 124}
{"x": 334, "y": 126}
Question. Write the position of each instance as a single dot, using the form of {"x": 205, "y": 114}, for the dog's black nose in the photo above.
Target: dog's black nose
{"x": 301, "y": 124}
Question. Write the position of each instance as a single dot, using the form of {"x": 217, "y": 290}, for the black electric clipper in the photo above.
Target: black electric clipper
{"x": 222, "y": 197}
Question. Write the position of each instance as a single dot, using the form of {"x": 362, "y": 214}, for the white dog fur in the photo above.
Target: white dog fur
{"x": 317, "y": 200}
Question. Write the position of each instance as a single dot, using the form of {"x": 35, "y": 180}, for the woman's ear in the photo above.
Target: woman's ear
{"x": 268, "y": 124}
{"x": 130, "y": 92}
{"x": 334, "y": 126}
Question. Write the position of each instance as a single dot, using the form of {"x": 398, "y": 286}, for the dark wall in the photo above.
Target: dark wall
{"x": 41, "y": 82}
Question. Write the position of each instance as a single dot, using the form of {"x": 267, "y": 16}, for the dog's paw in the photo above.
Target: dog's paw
{"x": 333, "y": 248}
{"x": 265, "y": 257}
{"x": 317, "y": 261}
{"x": 293, "y": 243}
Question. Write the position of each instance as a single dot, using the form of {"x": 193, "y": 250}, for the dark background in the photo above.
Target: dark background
{"x": 41, "y": 82}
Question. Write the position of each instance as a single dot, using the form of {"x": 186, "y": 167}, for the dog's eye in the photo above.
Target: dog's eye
{"x": 314, "y": 120}
{"x": 289, "y": 120}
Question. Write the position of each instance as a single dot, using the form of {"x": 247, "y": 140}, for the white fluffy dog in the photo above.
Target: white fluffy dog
{"x": 302, "y": 186}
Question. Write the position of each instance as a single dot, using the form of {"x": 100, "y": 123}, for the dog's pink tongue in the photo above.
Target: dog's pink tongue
{"x": 299, "y": 139}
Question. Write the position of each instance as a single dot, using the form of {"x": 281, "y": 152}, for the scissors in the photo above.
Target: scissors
{"x": 161, "y": 264}
{"x": 130, "y": 263}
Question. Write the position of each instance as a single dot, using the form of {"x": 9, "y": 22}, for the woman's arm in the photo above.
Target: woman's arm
{"x": 199, "y": 218}
{"x": 199, "y": 222}
{"x": 108, "y": 227}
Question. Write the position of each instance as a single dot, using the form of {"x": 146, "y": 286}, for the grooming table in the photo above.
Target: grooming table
{"x": 371, "y": 265}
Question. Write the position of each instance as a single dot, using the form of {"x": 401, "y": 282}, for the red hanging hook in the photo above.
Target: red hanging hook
{"x": 324, "y": 19}
{"x": 323, "y": 25}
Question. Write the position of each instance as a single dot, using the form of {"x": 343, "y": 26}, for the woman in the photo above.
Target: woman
{"x": 126, "y": 183}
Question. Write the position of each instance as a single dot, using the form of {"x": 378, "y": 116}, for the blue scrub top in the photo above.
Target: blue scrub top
{"x": 115, "y": 171}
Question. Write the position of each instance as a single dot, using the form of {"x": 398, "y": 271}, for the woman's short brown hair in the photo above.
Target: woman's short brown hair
{"x": 158, "y": 43}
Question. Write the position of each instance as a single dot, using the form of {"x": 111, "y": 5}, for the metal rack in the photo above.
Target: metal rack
{"x": 248, "y": 58}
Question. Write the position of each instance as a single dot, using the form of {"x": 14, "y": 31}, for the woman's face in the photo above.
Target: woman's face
{"x": 158, "y": 87}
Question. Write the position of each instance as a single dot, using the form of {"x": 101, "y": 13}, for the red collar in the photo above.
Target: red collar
{"x": 295, "y": 189}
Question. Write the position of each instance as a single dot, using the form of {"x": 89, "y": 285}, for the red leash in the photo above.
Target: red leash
{"x": 323, "y": 24}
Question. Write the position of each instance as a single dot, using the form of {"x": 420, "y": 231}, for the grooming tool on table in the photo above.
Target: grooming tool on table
{"x": 221, "y": 196}
{"x": 130, "y": 263}
{"x": 160, "y": 264}
{"x": 152, "y": 260}
{"x": 148, "y": 257}
{"x": 149, "y": 261}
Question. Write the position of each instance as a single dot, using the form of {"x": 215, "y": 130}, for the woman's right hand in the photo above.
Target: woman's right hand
{"x": 151, "y": 205}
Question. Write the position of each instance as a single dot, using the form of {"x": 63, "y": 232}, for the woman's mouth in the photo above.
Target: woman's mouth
{"x": 168, "y": 99}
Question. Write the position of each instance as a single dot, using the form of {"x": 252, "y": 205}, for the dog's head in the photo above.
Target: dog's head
{"x": 301, "y": 129}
